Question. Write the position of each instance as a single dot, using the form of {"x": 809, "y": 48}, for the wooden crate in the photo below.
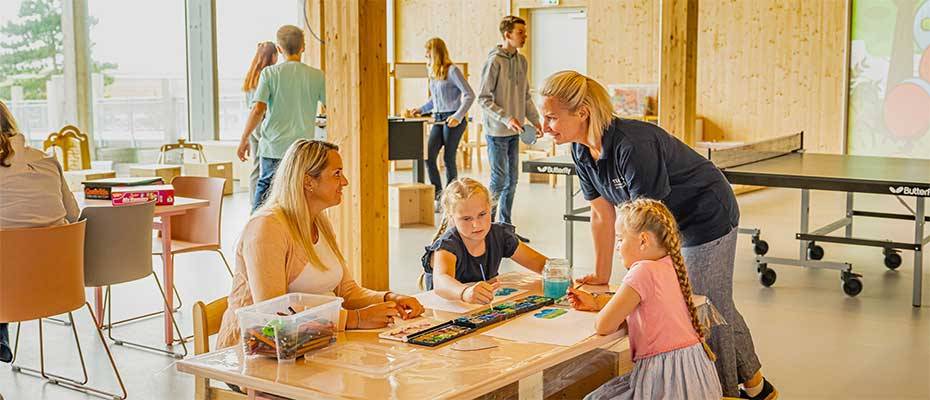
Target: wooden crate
{"x": 75, "y": 177}
{"x": 165, "y": 171}
{"x": 410, "y": 204}
{"x": 220, "y": 169}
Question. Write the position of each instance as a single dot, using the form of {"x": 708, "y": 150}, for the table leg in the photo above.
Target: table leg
{"x": 805, "y": 219}
{"x": 531, "y": 387}
{"x": 849, "y": 214}
{"x": 419, "y": 170}
{"x": 918, "y": 255}
{"x": 168, "y": 264}
{"x": 569, "y": 224}
{"x": 98, "y": 305}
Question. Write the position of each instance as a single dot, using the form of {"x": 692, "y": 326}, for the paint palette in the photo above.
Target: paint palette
{"x": 503, "y": 311}
{"x": 440, "y": 334}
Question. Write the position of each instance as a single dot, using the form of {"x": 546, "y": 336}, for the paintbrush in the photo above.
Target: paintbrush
{"x": 485, "y": 278}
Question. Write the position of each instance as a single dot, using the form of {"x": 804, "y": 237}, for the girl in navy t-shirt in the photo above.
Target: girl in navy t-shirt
{"x": 463, "y": 259}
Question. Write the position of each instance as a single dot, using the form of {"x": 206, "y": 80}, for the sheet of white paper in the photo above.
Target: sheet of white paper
{"x": 432, "y": 301}
{"x": 564, "y": 330}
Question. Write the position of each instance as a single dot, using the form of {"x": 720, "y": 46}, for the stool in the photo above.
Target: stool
{"x": 410, "y": 204}
{"x": 166, "y": 172}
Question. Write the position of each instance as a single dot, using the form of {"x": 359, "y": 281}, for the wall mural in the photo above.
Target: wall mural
{"x": 889, "y": 82}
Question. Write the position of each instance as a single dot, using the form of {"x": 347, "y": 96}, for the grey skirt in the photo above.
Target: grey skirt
{"x": 678, "y": 374}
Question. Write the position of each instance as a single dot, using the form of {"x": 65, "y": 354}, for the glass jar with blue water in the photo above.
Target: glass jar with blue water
{"x": 557, "y": 276}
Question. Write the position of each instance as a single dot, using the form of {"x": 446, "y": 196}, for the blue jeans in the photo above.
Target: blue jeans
{"x": 504, "y": 159}
{"x": 442, "y": 136}
{"x": 268, "y": 166}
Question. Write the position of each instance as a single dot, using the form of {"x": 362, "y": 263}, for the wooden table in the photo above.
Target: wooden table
{"x": 181, "y": 206}
{"x": 441, "y": 372}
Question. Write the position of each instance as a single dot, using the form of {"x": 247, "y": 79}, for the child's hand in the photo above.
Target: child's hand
{"x": 593, "y": 279}
{"x": 480, "y": 293}
{"x": 582, "y": 300}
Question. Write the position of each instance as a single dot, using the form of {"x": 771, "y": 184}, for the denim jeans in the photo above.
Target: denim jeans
{"x": 442, "y": 136}
{"x": 504, "y": 159}
{"x": 268, "y": 167}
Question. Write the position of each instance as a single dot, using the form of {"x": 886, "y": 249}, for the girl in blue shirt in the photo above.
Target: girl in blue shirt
{"x": 449, "y": 101}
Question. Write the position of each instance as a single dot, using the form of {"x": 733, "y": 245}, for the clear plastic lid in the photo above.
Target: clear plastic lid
{"x": 370, "y": 359}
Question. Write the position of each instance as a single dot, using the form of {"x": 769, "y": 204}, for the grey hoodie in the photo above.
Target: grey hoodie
{"x": 505, "y": 92}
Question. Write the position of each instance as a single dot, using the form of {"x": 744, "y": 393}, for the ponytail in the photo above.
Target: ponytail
{"x": 8, "y": 128}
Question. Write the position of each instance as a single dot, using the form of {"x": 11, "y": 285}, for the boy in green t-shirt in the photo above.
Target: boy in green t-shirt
{"x": 291, "y": 93}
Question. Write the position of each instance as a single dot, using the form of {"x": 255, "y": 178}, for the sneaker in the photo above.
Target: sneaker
{"x": 768, "y": 392}
{"x": 522, "y": 238}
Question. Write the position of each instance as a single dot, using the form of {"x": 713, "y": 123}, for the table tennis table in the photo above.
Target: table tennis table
{"x": 783, "y": 163}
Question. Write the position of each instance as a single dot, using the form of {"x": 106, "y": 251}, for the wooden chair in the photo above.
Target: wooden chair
{"x": 70, "y": 140}
{"x": 180, "y": 145}
{"x": 207, "y": 320}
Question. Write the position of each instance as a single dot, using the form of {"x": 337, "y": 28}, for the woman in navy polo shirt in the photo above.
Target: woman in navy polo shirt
{"x": 619, "y": 160}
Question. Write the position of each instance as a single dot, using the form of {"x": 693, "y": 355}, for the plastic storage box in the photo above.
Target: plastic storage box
{"x": 289, "y": 326}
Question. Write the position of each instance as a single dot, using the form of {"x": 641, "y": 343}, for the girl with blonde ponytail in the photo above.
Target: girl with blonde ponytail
{"x": 672, "y": 360}
{"x": 466, "y": 252}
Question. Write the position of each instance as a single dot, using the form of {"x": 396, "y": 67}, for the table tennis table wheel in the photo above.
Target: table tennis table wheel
{"x": 814, "y": 252}
{"x": 760, "y": 247}
{"x": 892, "y": 259}
{"x": 767, "y": 276}
{"x": 852, "y": 285}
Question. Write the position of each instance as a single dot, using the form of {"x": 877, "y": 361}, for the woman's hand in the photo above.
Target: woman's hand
{"x": 480, "y": 293}
{"x": 413, "y": 112}
{"x": 592, "y": 279}
{"x": 452, "y": 122}
{"x": 408, "y": 307}
{"x": 582, "y": 300}
{"x": 377, "y": 315}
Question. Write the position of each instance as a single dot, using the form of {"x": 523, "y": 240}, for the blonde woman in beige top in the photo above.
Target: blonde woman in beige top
{"x": 288, "y": 246}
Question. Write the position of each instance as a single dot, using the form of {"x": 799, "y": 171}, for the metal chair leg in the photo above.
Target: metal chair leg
{"x": 150, "y": 315}
{"x": 123, "y": 342}
{"x": 57, "y": 321}
{"x": 228, "y": 269}
{"x": 73, "y": 384}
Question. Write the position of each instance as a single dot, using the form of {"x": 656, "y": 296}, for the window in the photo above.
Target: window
{"x": 240, "y": 26}
{"x": 29, "y": 68}
{"x": 139, "y": 77}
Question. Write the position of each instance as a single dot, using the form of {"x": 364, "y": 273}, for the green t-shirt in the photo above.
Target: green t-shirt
{"x": 291, "y": 90}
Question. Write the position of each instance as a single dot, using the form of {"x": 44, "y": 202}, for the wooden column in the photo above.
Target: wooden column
{"x": 678, "y": 30}
{"x": 356, "y": 89}
{"x": 314, "y": 51}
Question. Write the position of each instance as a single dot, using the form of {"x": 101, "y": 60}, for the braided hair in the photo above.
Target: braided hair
{"x": 647, "y": 215}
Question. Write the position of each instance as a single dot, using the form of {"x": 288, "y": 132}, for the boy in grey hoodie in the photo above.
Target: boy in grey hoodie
{"x": 506, "y": 101}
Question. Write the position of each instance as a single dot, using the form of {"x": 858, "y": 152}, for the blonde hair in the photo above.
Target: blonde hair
{"x": 457, "y": 191}
{"x": 287, "y": 200}
{"x": 8, "y": 128}
{"x": 576, "y": 91}
{"x": 290, "y": 39}
{"x": 647, "y": 215}
{"x": 439, "y": 59}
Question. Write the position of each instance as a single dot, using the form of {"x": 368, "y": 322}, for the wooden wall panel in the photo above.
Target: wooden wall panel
{"x": 768, "y": 68}
{"x": 765, "y": 67}
{"x": 469, "y": 28}
{"x": 623, "y": 41}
